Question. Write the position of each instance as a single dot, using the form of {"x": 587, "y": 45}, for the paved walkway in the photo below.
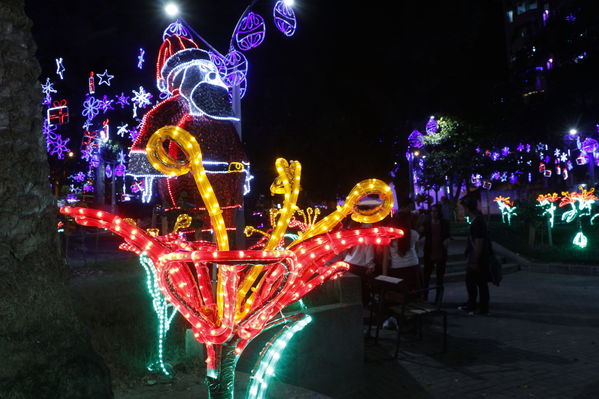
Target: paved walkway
{"x": 540, "y": 341}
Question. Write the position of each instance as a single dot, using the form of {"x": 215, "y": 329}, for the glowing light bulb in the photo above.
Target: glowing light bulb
{"x": 289, "y": 3}
{"x": 171, "y": 9}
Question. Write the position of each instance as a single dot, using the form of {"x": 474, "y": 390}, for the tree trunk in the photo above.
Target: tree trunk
{"x": 44, "y": 350}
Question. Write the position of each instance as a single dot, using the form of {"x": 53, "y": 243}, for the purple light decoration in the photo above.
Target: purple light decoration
{"x": 237, "y": 67}
{"x": 59, "y": 147}
{"x": 122, "y": 100}
{"x": 284, "y": 17}
{"x": 91, "y": 107}
{"x": 431, "y": 126}
{"x": 478, "y": 150}
{"x": 549, "y": 64}
{"x": 176, "y": 28}
{"x": 495, "y": 176}
{"x": 120, "y": 170}
{"x": 251, "y": 31}
{"x": 79, "y": 177}
{"x": 106, "y": 104}
{"x": 495, "y": 156}
{"x": 513, "y": 178}
{"x": 590, "y": 145}
{"x": 415, "y": 139}
{"x": 571, "y": 18}
{"x": 108, "y": 171}
{"x": 545, "y": 17}
{"x": 47, "y": 100}
{"x": 220, "y": 62}
{"x": 505, "y": 151}
{"x": 140, "y": 58}
{"x": 88, "y": 188}
{"x": 71, "y": 198}
{"x": 520, "y": 147}
{"x": 48, "y": 131}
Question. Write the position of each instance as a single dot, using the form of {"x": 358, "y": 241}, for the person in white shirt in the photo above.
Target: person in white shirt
{"x": 361, "y": 263}
{"x": 400, "y": 258}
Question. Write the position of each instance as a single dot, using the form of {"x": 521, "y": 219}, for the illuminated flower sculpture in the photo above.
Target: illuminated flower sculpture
{"x": 252, "y": 287}
{"x": 507, "y": 209}
{"x": 547, "y": 203}
{"x": 585, "y": 200}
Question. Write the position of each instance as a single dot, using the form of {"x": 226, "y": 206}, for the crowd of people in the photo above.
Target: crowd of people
{"x": 423, "y": 250}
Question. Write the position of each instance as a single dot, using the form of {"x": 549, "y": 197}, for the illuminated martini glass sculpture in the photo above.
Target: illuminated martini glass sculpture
{"x": 252, "y": 287}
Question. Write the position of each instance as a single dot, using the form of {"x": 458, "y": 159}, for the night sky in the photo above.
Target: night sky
{"x": 355, "y": 78}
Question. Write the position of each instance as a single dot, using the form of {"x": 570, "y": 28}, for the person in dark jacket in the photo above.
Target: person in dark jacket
{"x": 477, "y": 254}
{"x": 436, "y": 238}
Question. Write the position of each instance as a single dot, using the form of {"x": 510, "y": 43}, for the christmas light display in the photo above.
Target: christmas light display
{"x": 140, "y": 99}
{"x": 91, "y": 107}
{"x": 122, "y": 100}
{"x": 271, "y": 354}
{"x": 581, "y": 205}
{"x": 227, "y": 315}
{"x": 165, "y": 313}
{"x": 140, "y": 58}
{"x": 48, "y": 87}
{"x": 547, "y": 203}
{"x": 284, "y": 18}
{"x": 507, "y": 209}
{"x": 91, "y": 83}
{"x": 58, "y": 114}
{"x": 105, "y": 78}
{"x": 250, "y": 31}
{"x": 122, "y": 129}
{"x": 59, "y": 68}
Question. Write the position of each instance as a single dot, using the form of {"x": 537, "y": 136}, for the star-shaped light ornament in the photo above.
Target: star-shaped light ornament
{"x": 105, "y": 78}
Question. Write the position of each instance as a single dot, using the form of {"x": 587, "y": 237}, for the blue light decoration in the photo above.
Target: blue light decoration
{"x": 270, "y": 355}
{"x": 59, "y": 68}
{"x": 48, "y": 87}
{"x": 140, "y": 99}
{"x": 105, "y": 78}
{"x": 140, "y": 58}
{"x": 122, "y": 129}
{"x": 176, "y": 28}
{"x": 105, "y": 104}
{"x": 58, "y": 147}
{"x": 284, "y": 18}
{"x": 237, "y": 67}
{"x": 431, "y": 126}
{"x": 250, "y": 32}
{"x": 416, "y": 139}
{"x": 91, "y": 108}
{"x": 165, "y": 312}
{"x": 122, "y": 100}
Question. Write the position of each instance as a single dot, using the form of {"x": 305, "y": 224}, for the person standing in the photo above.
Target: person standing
{"x": 477, "y": 269}
{"x": 436, "y": 239}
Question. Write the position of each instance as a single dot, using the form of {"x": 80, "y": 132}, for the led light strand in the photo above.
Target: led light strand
{"x": 270, "y": 356}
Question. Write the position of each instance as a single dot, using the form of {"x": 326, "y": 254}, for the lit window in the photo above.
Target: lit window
{"x": 510, "y": 16}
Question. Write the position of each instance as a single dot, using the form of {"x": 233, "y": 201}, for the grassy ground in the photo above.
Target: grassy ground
{"x": 111, "y": 300}
{"x": 515, "y": 238}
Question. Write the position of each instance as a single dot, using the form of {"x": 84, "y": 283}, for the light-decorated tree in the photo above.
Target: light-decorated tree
{"x": 45, "y": 350}
{"x": 448, "y": 157}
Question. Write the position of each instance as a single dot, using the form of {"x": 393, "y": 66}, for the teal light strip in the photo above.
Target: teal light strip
{"x": 165, "y": 312}
{"x": 266, "y": 368}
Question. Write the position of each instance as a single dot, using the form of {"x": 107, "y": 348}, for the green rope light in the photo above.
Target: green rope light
{"x": 270, "y": 356}
{"x": 165, "y": 312}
